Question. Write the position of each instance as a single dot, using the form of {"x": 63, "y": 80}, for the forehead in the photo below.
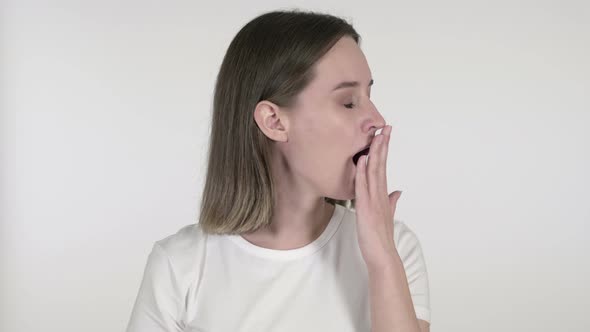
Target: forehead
{"x": 345, "y": 61}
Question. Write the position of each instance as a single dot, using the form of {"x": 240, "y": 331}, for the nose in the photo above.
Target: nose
{"x": 374, "y": 122}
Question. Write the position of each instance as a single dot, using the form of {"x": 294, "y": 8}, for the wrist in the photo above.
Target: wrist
{"x": 392, "y": 263}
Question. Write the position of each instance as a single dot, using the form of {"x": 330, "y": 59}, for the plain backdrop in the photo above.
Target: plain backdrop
{"x": 104, "y": 131}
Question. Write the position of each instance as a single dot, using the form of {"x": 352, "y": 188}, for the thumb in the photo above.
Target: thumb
{"x": 393, "y": 197}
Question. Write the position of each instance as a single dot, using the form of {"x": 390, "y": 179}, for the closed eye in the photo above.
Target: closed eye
{"x": 350, "y": 105}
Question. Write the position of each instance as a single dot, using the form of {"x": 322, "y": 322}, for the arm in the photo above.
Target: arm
{"x": 424, "y": 325}
{"x": 404, "y": 275}
{"x": 392, "y": 309}
{"x": 398, "y": 279}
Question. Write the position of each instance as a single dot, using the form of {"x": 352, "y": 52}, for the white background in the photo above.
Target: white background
{"x": 105, "y": 122}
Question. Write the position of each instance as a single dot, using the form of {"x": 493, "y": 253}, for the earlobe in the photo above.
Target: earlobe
{"x": 271, "y": 121}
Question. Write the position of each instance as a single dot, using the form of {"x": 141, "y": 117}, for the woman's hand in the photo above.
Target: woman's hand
{"x": 375, "y": 209}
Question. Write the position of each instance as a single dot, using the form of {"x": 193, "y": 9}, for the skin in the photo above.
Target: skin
{"x": 313, "y": 146}
{"x": 314, "y": 142}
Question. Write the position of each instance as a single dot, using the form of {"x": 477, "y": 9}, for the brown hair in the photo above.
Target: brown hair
{"x": 271, "y": 58}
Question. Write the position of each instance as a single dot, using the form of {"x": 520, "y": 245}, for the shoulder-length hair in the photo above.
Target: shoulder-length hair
{"x": 271, "y": 58}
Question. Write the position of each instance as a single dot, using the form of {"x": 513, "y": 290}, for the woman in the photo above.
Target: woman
{"x": 296, "y": 230}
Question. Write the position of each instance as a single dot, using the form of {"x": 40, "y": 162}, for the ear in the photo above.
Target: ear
{"x": 272, "y": 120}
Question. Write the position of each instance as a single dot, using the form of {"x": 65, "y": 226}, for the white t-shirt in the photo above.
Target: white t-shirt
{"x": 223, "y": 283}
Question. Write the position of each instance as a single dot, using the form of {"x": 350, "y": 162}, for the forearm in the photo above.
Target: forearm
{"x": 392, "y": 309}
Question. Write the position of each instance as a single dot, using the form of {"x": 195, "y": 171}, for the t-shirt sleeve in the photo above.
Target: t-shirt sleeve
{"x": 158, "y": 306}
{"x": 410, "y": 252}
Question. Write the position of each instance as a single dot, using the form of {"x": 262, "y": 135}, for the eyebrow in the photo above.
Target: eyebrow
{"x": 349, "y": 84}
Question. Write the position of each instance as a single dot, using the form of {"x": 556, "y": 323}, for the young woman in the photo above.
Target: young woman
{"x": 296, "y": 230}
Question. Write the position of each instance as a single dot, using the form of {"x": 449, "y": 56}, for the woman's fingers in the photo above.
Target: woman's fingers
{"x": 377, "y": 167}
{"x": 360, "y": 182}
{"x": 371, "y": 177}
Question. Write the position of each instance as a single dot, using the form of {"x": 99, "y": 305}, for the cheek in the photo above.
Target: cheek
{"x": 323, "y": 142}
{"x": 320, "y": 157}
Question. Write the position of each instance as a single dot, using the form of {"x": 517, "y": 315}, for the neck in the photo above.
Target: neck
{"x": 299, "y": 216}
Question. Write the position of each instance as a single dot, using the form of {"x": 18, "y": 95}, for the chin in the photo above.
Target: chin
{"x": 342, "y": 189}
{"x": 343, "y": 195}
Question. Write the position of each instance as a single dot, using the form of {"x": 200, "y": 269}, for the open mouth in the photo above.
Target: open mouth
{"x": 356, "y": 157}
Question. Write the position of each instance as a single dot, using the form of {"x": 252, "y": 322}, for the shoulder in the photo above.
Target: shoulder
{"x": 186, "y": 239}
{"x": 403, "y": 234}
{"x": 171, "y": 271}
{"x": 183, "y": 249}
{"x": 408, "y": 245}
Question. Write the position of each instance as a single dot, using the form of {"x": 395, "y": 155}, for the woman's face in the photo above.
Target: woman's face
{"x": 331, "y": 121}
